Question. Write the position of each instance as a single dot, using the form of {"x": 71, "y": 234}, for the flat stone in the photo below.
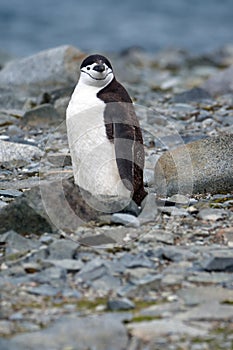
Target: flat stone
{"x": 210, "y": 278}
{"x": 204, "y": 295}
{"x": 203, "y": 166}
{"x": 10, "y": 193}
{"x": 149, "y": 331}
{"x": 99, "y": 332}
{"x": 96, "y": 240}
{"x": 210, "y": 311}
{"x": 163, "y": 310}
{"x": 210, "y": 214}
{"x": 68, "y": 264}
{"x": 44, "y": 290}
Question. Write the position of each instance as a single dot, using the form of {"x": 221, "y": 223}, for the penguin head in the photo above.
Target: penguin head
{"x": 96, "y": 70}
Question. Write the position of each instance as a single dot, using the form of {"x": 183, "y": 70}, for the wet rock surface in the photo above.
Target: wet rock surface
{"x": 74, "y": 276}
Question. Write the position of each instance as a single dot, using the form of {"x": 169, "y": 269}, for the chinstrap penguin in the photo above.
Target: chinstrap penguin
{"x": 104, "y": 135}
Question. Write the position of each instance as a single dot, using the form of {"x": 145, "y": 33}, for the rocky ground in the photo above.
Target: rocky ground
{"x": 75, "y": 278}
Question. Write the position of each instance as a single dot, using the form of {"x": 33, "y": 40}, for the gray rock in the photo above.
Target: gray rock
{"x": 106, "y": 283}
{"x": 136, "y": 260}
{"x": 120, "y": 304}
{"x": 148, "y": 281}
{"x": 44, "y": 290}
{"x": 59, "y": 159}
{"x": 220, "y": 83}
{"x": 210, "y": 311}
{"x": 102, "y": 332}
{"x": 25, "y": 215}
{"x": 62, "y": 249}
{"x": 219, "y": 263}
{"x": 176, "y": 254}
{"x": 210, "y": 214}
{"x": 150, "y": 331}
{"x": 16, "y": 243}
{"x": 70, "y": 265}
{"x": 54, "y": 276}
{"x": 96, "y": 240}
{"x": 125, "y": 219}
{"x": 17, "y": 154}
{"x": 173, "y": 211}
{"x": 194, "y": 95}
{"x": 41, "y": 116}
{"x": 10, "y": 193}
{"x": 48, "y": 207}
{"x": 202, "y": 295}
{"x": 198, "y": 167}
{"x": 47, "y": 69}
{"x": 67, "y": 206}
{"x": 94, "y": 269}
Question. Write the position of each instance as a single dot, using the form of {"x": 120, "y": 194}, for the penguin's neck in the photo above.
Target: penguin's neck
{"x": 83, "y": 98}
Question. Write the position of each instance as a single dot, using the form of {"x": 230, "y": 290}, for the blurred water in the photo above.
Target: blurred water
{"x": 27, "y": 26}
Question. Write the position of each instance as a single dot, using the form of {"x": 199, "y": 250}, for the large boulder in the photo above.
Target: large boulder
{"x": 203, "y": 166}
{"x": 46, "y": 70}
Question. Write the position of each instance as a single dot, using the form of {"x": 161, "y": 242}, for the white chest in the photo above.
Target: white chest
{"x": 93, "y": 155}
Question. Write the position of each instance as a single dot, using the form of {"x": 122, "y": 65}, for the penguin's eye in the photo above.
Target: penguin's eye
{"x": 88, "y": 68}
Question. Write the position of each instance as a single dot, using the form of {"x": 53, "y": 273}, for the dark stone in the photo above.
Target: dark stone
{"x": 51, "y": 206}
{"x": 219, "y": 263}
{"x": 21, "y": 217}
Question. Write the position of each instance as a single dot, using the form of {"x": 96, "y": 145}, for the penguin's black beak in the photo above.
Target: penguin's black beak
{"x": 99, "y": 68}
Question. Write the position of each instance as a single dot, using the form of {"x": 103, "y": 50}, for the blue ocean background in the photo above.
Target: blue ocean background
{"x": 27, "y": 26}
